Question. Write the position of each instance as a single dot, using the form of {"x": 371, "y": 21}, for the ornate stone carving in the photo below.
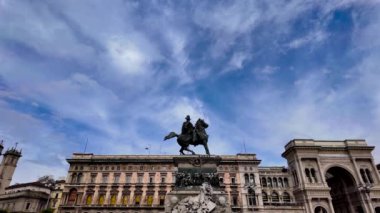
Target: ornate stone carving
{"x": 184, "y": 179}
{"x": 203, "y": 203}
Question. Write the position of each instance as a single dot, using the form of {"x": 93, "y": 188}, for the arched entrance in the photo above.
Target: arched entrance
{"x": 344, "y": 191}
{"x": 377, "y": 209}
{"x": 320, "y": 209}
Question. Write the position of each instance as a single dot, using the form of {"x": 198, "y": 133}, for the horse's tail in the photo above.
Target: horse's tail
{"x": 170, "y": 135}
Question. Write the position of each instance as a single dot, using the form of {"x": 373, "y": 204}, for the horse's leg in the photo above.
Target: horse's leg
{"x": 189, "y": 150}
{"x": 206, "y": 148}
{"x": 181, "y": 151}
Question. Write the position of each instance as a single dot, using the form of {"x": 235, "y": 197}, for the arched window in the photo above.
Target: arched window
{"x": 264, "y": 182}
{"x": 246, "y": 178}
{"x": 251, "y": 197}
{"x": 313, "y": 175}
{"x": 307, "y": 172}
{"x": 252, "y": 178}
{"x": 137, "y": 199}
{"x": 162, "y": 199}
{"x": 275, "y": 182}
{"x": 377, "y": 210}
{"x": 113, "y": 199}
{"x": 280, "y": 183}
{"x": 275, "y": 198}
{"x": 320, "y": 209}
{"x": 149, "y": 200}
{"x": 269, "y": 182}
{"x": 89, "y": 199}
{"x": 125, "y": 200}
{"x": 364, "y": 177}
{"x": 265, "y": 197}
{"x": 101, "y": 199}
{"x": 79, "y": 178}
{"x": 286, "y": 183}
{"x": 73, "y": 177}
{"x": 286, "y": 197}
{"x": 369, "y": 175}
{"x": 73, "y": 194}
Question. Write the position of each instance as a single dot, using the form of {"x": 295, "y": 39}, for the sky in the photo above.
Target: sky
{"x": 120, "y": 75}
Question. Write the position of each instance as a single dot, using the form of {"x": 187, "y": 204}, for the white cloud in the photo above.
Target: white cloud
{"x": 266, "y": 70}
{"x": 313, "y": 38}
{"x": 38, "y": 27}
{"x": 131, "y": 60}
{"x": 42, "y": 147}
{"x": 232, "y": 19}
{"x": 132, "y": 54}
{"x": 237, "y": 61}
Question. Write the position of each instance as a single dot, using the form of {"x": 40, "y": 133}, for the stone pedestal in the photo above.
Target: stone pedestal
{"x": 197, "y": 186}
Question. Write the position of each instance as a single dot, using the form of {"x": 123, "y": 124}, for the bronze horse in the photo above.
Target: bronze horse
{"x": 185, "y": 140}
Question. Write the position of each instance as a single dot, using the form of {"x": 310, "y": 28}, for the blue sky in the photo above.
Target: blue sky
{"x": 122, "y": 74}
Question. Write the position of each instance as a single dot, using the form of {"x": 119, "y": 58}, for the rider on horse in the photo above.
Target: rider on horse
{"x": 191, "y": 135}
{"x": 188, "y": 129}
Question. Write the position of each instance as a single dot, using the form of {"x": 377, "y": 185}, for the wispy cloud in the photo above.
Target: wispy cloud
{"x": 122, "y": 75}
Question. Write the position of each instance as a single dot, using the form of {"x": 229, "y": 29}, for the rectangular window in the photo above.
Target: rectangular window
{"x": 125, "y": 200}
{"x": 105, "y": 178}
{"x": 163, "y": 180}
{"x": 27, "y": 206}
{"x": 233, "y": 180}
{"x": 149, "y": 200}
{"x": 116, "y": 178}
{"x": 234, "y": 200}
{"x": 140, "y": 179}
{"x": 93, "y": 178}
{"x": 127, "y": 179}
{"x": 137, "y": 200}
{"x": 162, "y": 200}
{"x": 221, "y": 180}
{"x": 151, "y": 179}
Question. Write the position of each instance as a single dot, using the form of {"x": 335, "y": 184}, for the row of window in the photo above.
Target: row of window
{"x": 75, "y": 199}
{"x": 275, "y": 182}
{"x": 275, "y": 198}
{"x": 118, "y": 168}
{"x": 249, "y": 179}
{"x": 78, "y": 177}
{"x": 228, "y": 168}
{"x": 311, "y": 177}
{"x": 366, "y": 176}
{"x": 105, "y": 178}
{"x": 11, "y": 206}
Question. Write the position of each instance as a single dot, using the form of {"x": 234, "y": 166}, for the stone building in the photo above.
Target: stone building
{"x": 321, "y": 176}
{"x": 334, "y": 176}
{"x": 26, "y": 197}
{"x": 56, "y": 195}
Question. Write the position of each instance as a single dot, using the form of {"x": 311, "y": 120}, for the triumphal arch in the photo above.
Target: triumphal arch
{"x": 334, "y": 176}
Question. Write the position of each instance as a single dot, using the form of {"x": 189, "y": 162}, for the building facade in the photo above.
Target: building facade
{"x": 321, "y": 176}
{"x": 26, "y": 197}
{"x": 8, "y": 166}
{"x": 56, "y": 195}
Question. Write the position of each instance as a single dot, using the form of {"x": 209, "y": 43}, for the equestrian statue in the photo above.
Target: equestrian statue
{"x": 191, "y": 135}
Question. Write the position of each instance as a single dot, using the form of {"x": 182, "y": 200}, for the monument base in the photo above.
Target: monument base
{"x": 197, "y": 187}
{"x": 197, "y": 201}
